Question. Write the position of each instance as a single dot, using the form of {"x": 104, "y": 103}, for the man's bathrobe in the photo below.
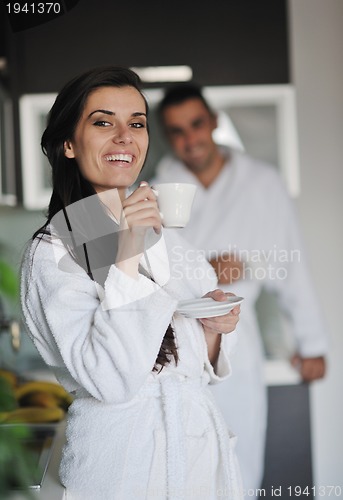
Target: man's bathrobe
{"x": 247, "y": 212}
{"x": 132, "y": 433}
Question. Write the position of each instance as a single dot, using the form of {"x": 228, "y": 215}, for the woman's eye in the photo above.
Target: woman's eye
{"x": 102, "y": 123}
{"x": 138, "y": 125}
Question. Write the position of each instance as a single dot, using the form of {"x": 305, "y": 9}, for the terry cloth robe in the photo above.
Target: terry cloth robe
{"x": 132, "y": 433}
{"x": 246, "y": 211}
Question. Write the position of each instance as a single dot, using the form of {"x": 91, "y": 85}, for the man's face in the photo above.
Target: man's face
{"x": 189, "y": 126}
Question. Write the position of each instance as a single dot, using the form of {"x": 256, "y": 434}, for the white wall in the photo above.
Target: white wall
{"x": 316, "y": 38}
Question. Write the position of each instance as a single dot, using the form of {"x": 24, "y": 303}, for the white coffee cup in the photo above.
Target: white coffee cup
{"x": 175, "y": 202}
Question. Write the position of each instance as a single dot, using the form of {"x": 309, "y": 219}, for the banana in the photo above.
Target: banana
{"x": 32, "y": 415}
{"x": 41, "y": 399}
{"x": 56, "y": 390}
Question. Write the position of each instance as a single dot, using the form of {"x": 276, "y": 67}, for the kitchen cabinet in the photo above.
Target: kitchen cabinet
{"x": 7, "y": 167}
{"x": 288, "y": 462}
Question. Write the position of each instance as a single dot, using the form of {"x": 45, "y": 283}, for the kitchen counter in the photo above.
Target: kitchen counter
{"x": 280, "y": 372}
{"x": 276, "y": 372}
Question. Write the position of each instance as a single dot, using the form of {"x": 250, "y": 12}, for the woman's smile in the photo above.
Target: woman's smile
{"x": 120, "y": 159}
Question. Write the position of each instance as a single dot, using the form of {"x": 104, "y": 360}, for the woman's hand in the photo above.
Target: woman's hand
{"x": 221, "y": 324}
{"x": 140, "y": 212}
{"x": 218, "y": 325}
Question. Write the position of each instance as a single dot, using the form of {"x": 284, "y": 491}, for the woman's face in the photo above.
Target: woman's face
{"x": 111, "y": 138}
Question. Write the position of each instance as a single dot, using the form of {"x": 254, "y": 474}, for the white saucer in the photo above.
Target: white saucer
{"x": 206, "y": 307}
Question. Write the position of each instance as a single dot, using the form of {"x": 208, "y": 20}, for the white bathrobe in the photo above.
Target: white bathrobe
{"x": 132, "y": 433}
{"x": 247, "y": 211}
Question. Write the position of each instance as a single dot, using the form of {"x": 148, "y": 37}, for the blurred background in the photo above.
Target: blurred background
{"x": 294, "y": 43}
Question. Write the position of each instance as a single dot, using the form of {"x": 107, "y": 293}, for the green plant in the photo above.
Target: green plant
{"x": 16, "y": 467}
{"x": 8, "y": 281}
{"x": 15, "y": 462}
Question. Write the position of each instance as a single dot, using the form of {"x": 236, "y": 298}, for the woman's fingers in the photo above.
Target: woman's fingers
{"x": 142, "y": 214}
{"x": 139, "y": 212}
{"x": 216, "y": 294}
{"x": 225, "y": 323}
{"x": 140, "y": 205}
{"x": 141, "y": 209}
{"x": 221, "y": 324}
{"x": 143, "y": 192}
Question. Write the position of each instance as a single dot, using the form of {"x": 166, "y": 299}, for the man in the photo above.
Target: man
{"x": 244, "y": 220}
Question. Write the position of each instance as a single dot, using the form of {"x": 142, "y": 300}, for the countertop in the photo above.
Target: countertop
{"x": 276, "y": 372}
{"x": 280, "y": 372}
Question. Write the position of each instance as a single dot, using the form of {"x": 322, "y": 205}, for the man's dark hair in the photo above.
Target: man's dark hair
{"x": 179, "y": 94}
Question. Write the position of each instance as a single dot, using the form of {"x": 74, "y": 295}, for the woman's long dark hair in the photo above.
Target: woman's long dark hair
{"x": 69, "y": 186}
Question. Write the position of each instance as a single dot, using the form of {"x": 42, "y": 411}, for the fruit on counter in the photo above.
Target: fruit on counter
{"x": 42, "y": 399}
{"x": 31, "y": 402}
{"x": 32, "y": 415}
{"x": 43, "y": 394}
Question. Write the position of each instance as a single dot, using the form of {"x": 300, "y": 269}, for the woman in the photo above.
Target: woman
{"x": 142, "y": 424}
